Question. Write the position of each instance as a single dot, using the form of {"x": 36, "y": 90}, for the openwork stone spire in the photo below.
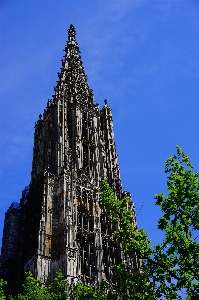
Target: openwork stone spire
{"x": 72, "y": 81}
{"x": 71, "y": 33}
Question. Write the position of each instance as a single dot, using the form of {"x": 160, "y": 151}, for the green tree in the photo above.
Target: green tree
{"x": 2, "y": 295}
{"x": 82, "y": 292}
{"x": 35, "y": 289}
{"x": 57, "y": 289}
{"x": 172, "y": 265}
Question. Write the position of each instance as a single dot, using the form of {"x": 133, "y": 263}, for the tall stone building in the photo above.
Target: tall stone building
{"x": 61, "y": 222}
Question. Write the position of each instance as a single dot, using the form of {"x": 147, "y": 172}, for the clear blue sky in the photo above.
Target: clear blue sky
{"x": 143, "y": 56}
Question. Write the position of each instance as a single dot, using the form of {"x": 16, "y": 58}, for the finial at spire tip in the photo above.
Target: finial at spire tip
{"x": 71, "y": 33}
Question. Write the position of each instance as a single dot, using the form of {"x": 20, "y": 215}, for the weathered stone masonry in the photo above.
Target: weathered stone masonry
{"x": 63, "y": 223}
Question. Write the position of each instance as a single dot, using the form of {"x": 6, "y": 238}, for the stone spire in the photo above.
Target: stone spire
{"x": 72, "y": 78}
{"x": 71, "y": 33}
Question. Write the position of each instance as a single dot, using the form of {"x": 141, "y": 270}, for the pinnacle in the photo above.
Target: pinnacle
{"x": 71, "y": 33}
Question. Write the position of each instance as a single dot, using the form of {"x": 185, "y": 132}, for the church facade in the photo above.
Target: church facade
{"x": 60, "y": 222}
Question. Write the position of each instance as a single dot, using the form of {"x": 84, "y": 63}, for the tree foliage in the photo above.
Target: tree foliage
{"x": 2, "y": 284}
{"x": 173, "y": 265}
{"x": 83, "y": 292}
{"x": 179, "y": 251}
{"x": 35, "y": 289}
{"x": 167, "y": 269}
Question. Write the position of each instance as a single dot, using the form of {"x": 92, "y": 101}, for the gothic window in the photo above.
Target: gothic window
{"x": 82, "y": 218}
{"x": 103, "y": 223}
{"x": 91, "y": 223}
{"x": 92, "y": 157}
{"x": 92, "y": 256}
{"x": 85, "y": 257}
{"x": 105, "y": 257}
{"x": 89, "y": 128}
{"x": 79, "y": 220}
{"x": 85, "y": 156}
{"x": 78, "y": 239}
{"x": 84, "y": 125}
{"x": 69, "y": 123}
{"x": 90, "y": 206}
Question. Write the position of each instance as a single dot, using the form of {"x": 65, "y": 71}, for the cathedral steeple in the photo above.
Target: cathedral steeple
{"x": 62, "y": 222}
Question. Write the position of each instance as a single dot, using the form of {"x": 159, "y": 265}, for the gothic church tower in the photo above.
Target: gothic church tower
{"x": 63, "y": 223}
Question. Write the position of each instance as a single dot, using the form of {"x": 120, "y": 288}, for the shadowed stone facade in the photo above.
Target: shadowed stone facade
{"x": 61, "y": 220}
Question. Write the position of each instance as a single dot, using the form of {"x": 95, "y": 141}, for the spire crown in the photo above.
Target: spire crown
{"x": 72, "y": 80}
{"x": 71, "y": 33}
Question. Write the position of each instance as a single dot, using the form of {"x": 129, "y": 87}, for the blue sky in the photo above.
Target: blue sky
{"x": 142, "y": 56}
